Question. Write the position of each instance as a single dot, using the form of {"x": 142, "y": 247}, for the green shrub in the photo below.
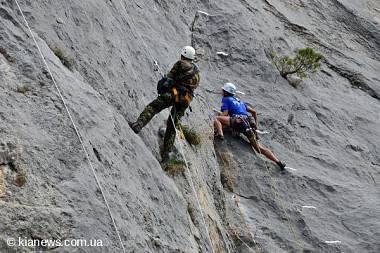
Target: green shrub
{"x": 66, "y": 61}
{"x": 191, "y": 135}
{"x": 175, "y": 166}
{"x": 306, "y": 61}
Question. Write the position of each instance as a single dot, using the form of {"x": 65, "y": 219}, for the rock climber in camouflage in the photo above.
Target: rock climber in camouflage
{"x": 186, "y": 78}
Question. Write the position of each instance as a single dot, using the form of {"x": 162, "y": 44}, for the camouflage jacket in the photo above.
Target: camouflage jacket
{"x": 178, "y": 68}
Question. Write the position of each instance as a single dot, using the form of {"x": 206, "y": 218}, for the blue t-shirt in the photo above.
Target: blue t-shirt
{"x": 234, "y": 106}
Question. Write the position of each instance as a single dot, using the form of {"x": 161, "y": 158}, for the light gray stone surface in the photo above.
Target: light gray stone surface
{"x": 328, "y": 129}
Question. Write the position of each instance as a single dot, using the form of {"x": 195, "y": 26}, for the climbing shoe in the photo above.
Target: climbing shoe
{"x": 219, "y": 137}
{"x": 136, "y": 126}
{"x": 281, "y": 165}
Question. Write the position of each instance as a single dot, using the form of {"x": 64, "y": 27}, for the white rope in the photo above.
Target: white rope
{"x": 75, "y": 127}
{"x": 155, "y": 63}
{"x": 192, "y": 185}
{"x": 181, "y": 148}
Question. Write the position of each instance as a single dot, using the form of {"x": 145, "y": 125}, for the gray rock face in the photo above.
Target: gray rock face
{"x": 327, "y": 129}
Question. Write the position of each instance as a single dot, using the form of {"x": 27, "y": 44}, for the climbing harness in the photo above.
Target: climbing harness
{"x": 273, "y": 187}
{"x": 75, "y": 128}
{"x": 191, "y": 182}
{"x": 156, "y": 66}
{"x": 166, "y": 84}
{"x": 241, "y": 124}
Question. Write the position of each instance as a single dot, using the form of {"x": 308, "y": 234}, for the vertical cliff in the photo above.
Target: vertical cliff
{"x": 327, "y": 129}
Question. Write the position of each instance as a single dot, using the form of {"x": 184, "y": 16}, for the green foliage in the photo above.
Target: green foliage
{"x": 175, "y": 166}
{"x": 191, "y": 135}
{"x": 306, "y": 61}
{"x": 66, "y": 61}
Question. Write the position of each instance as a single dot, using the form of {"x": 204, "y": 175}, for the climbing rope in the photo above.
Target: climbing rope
{"x": 181, "y": 134}
{"x": 275, "y": 193}
{"x": 155, "y": 63}
{"x": 193, "y": 187}
{"x": 179, "y": 141}
{"x": 75, "y": 128}
{"x": 242, "y": 241}
{"x": 234, "y": 191}
{"x": 186, "y": 163}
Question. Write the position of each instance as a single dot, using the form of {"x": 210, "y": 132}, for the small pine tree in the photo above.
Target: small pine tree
{"x": 306, "y": 61}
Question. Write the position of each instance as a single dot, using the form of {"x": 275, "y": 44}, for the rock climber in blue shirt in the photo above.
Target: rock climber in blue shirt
{"x": 234, "y": 113}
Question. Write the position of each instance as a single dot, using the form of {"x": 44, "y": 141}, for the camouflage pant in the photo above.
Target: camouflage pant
{"x": 178, "y": 110}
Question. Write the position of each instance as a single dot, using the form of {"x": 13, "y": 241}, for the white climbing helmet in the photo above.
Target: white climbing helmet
{"x": 229, "y": 87}
{"x": 188, "y": 52}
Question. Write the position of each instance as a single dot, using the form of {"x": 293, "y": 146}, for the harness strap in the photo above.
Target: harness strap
{"x": 241, "y": 118}
{"x": 188, "y": 98}
{"x": 175, "y": 92}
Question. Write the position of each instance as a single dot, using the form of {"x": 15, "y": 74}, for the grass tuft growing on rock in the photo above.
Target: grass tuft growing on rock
{"x": 191, "y": 135}
{"x": 68, "y": 62}
{"x": 175, "y": 166}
